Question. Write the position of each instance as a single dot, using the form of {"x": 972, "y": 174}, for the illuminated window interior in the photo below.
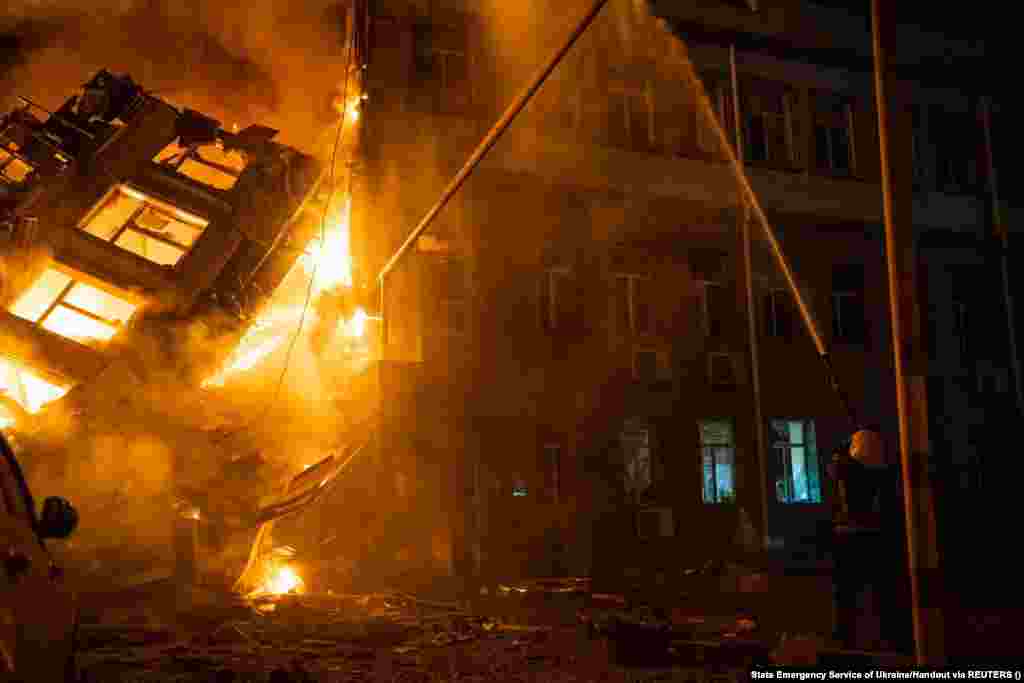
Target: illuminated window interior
{"x": 149, "y": 228}
{"x": 12, "y": 169}
{"x": 209, "y": 165}
{"x": 26, "y": 388}
{"x": 72, "y": 309}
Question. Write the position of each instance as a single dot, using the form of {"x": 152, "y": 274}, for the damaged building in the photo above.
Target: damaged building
{"x": 569, "y": 341}
{"x": 140, "y": 241}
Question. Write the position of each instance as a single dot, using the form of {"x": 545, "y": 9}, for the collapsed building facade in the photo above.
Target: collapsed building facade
{"x": 140, "y": 242}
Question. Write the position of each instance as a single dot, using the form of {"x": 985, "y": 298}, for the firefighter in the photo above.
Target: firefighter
{"x": 866, "y": 538}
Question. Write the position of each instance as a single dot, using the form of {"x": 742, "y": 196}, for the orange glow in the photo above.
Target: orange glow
{"x": 72, "y": 309}
{"x": 282, "y": 579}
{"x": 329, "y": 263}
{"x": 330, "y": 260}
{"x": 29, "y": 390}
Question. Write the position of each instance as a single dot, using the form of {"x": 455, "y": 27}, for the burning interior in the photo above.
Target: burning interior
{"x": 151, "y": 260}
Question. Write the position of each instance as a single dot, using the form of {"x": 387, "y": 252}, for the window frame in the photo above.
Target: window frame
{"x": 709, "y": 449}
{"x": 710, "y": 331}
{"x": 632, "y": 280}
{"x": 59, "y": 301}
{"x": 827, "y": 120}
{"x": 147, "y": 202}
{"x": 628, "y": 93}
{"x": 629, "y": 447}
{"x": 784, "y": 461}
{"x": 785, "y": 120}
{"x": 772, "y": 317}
{"x": 549, "y": 309}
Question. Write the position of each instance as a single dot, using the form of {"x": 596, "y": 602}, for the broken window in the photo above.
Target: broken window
{"x": 633, "y": 304}
{"x": 778, "y": 316}
{"x": 208, "y": 164}
{"x": 145, "y": 226}
{"x": 718, "y": 458}
{"x": 635, "y": 440}
{"x": 797, "y": 479}
{"x": 27, "y": 389}
{"x": 58, "y": 303}
{"x": 848, "y": 322}
{"x": 833, "y": 137}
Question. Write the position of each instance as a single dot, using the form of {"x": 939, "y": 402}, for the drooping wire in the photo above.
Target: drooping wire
{"x": 323, "y": 239}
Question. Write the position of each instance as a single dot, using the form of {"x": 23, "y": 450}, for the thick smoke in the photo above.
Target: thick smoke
{"x": 275, "y": 63}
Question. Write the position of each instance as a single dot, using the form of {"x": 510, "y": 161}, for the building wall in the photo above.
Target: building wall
{"x": 610, "y": 171}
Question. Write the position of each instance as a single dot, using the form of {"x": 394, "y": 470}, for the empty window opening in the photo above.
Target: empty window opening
{"x": 796, "y": 458}
{"x": 718, "y": 458}
{"x": 58, "y": 303}
{"x": 208, "y": 164}
{"x": 147, "y": 227}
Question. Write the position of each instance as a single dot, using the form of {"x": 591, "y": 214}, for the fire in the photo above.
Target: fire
{"x": 29, "y": 390}
{"x": 329, "y": 262}
{"x": 282, "y": 580}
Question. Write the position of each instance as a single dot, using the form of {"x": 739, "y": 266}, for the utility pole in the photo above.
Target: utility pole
{"x": 908, "y": 352}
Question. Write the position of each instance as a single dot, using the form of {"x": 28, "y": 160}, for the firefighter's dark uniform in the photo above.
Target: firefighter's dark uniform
{"x": 866, "y": 545}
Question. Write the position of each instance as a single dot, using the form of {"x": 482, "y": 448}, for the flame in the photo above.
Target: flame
{"x": 281, "y": 580}
{"x": 329, "y": 260}
{"x": 29, "y": 390}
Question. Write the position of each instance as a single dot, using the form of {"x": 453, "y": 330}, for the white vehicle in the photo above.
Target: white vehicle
{"x": 38, "y": 617}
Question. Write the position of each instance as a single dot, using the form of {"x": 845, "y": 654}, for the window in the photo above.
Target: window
{"x": 651, "y": 366}
{"x": 556, "y": 298}
{"x": 552, "y": 467}
{"x": 442, "y": 62}
{"x": 954, "y": 136}
{"x": 778, "y": 318}
{"x": 635, "y": 440}
{"x": 721, "y": 371}
{"x": 452, "y": 294}
{"x": 209, "y": 164}
{"x": 631, "y": 117}
{"x": 56, "y": 302}
{"x": 720, "y": 98}
{"x": 632, "y": 304}
{"x": 12, "y": 169}
{"x": 768, "y": 128}
{"x": 718, "y": 457}
{"x": 145, "y": 226}
{"x": 713, "y": 308}
{"x": 848, "y": 323}
{"x": 833, "y": 139}
{"x": 797, "y": 479}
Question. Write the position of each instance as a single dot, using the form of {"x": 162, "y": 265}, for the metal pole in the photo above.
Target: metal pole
{"x": 748, "y": 274}
{"x": 999, "y": 230}
{"x": 896, "y": 304}
{"x": 492, "y": 137}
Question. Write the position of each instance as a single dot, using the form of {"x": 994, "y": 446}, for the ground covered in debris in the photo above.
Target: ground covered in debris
{"x": 566, "y": 636}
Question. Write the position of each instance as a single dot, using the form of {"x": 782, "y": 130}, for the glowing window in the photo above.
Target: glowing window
{"x": 209, "y": 164}
{"x": 12, "y": 169}
{"x": 147, "y": 227}
{"x": 72, "y": 309}
{"x": 29, "y": 390}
